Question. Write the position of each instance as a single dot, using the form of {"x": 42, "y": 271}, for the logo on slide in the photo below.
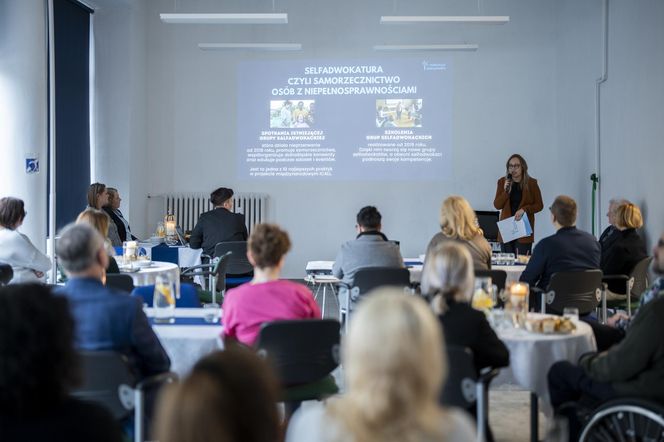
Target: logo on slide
{"x": 433, "y": 66}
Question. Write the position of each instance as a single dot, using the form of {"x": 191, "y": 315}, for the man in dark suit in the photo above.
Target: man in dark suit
{"x": 568, "y": 250}
{"x": 219, "y": 224}
{"x": 106, "y": 319}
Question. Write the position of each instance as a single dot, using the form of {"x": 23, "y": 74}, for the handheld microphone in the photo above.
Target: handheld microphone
{"x": 509, "y": 183}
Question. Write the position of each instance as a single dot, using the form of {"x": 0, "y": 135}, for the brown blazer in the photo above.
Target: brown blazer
{"x": 531, "y": 203}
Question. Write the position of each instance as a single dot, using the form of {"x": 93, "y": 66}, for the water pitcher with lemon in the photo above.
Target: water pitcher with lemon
{"x": 164, "y": 300}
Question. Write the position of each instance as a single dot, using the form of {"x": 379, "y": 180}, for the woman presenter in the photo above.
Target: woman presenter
{"x": 518, "y": 194}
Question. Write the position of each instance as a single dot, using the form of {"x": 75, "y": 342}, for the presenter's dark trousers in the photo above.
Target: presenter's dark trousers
{"x": 516, "y": 246}
{"x": 574, "y": 393}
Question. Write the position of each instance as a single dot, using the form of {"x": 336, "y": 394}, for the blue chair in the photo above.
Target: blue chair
{"x": 188, "y": 295}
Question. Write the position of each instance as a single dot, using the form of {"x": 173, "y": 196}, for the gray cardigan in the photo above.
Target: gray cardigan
{"x": 368, "y": 250}
{"x": 479, "y": 249}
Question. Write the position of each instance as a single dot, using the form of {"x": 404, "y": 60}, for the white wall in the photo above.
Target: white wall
{"x": 528, "y": 89}
{"x": 632, "y": 110}
{"x": 23, "y": 110}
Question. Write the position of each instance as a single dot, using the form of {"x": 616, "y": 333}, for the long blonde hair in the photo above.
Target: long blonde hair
{"x": 448, "y": 275}
{"x": 395, "y": 366}
{"x": 457, "y": 219}
{"x": 96, "y": 218}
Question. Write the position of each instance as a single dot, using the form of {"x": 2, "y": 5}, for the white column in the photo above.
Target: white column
{"x": 23, "y": 109}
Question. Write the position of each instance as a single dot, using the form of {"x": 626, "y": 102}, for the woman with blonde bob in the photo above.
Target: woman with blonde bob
{"x": 459, "y": 223}
{"x": 100, "y": 221}
{"x": 448, "y": 278}
{"x": 623, "y": 249}
{"x": 395, "y": 366}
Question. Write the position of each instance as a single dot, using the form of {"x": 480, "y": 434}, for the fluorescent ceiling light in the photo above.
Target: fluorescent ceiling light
{"x": 225, "y": 19}
{"x": 252, "y": 46}
{"x": 439, "y": 47}
{"x": 468, "y": 19}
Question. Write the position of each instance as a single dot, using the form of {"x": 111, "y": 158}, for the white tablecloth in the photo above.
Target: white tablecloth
{"x": 531, "y": 356}
{"x": 186, "y": 257}
{"x": 186, "y": 344}
{"x": 513, "y": 272}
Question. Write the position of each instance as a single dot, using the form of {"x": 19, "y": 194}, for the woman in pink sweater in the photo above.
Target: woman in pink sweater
{"x": 265, "y": 298}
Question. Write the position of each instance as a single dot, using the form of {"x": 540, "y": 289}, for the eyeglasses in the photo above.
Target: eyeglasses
{"x": 514, "y": 166}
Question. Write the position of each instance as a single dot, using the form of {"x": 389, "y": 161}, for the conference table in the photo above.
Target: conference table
{"x": 188, "y": 339}
{"x": 533, "y": 354}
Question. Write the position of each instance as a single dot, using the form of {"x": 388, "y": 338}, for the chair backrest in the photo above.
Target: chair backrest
{"x": 369, "y": 278}
{"x": 640, "y": 275}
{"x": 120, "y": 281}
{"x": 238, "y": 264}
{"x": 6, "y": 273}
{"x": 220, "y": 269}
{"x": 301, "y": 351}
{"x": 580, "y": 289}
{"x": 188, "y": 295}
{"x": 460, "y": 388}
{"x": 108, "y": 381}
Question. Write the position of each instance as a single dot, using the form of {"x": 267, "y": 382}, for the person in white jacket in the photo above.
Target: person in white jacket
{"x": 28, "y": 263}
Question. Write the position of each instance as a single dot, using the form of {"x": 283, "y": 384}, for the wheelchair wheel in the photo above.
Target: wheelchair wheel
{"x": 633, "y": 421}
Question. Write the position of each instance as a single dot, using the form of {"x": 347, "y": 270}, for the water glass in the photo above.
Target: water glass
{"x": 164, "y": 300}
{"x": 212, "y": 312}
{"x": 571, "y": 313}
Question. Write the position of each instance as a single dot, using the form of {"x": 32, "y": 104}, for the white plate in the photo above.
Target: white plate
{"x": 142, "y": 264}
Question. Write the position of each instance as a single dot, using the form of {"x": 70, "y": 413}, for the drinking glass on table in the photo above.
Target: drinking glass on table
{"x": 571, "y": 313}
{"x": 212, "y": 312}
{"x": 164, "y": 300}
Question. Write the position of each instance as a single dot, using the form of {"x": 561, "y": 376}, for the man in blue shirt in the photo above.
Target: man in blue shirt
{"x": 106, "y": 319}
{"x": 568, "y": 250}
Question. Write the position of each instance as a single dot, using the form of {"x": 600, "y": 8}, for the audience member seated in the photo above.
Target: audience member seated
{"x": 265, "y": 298}
{"x": 98, "y": 198}
{"x": 112, "y": 209}
{"x": 229, "y": 396}
{"x": 634, "y": 367}
{"x": 624, "y": 249}
{"x": 568, "y": 250}
{"x": 370, "y": 248}
{"x": 99, "y": 220}
{"x": 219, "y": 224}
{"x": 38, "y": 367}
{"x": 106, "y": 319}
{"x": 459, "y": 223}
{"x": 607, "y": 234}
{"x": 614, "y": 330}
{"x": 448, "y": 278}
{"x": 28, "y": 263}
{"x": 395, "y": 365}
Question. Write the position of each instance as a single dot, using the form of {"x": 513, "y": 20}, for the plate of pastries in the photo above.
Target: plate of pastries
{"x": 550, "y": 325}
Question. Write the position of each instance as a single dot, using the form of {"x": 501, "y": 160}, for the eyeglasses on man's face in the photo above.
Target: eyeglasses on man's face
{"x": 514, "y": 166}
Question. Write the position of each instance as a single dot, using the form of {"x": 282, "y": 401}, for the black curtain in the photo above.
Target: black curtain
{"x": 72, "y": 108}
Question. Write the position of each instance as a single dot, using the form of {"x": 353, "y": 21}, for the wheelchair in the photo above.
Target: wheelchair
{"x": 625, "y": 419}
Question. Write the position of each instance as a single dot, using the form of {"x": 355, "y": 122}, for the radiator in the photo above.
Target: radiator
{"x": 187, "y": 207}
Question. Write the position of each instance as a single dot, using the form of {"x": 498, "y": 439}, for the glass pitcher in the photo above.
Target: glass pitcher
{"x": 164, "y": 300}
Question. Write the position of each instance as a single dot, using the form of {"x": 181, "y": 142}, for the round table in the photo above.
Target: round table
{"x": 533, "y": 354}
{"x": 148, "y": 275}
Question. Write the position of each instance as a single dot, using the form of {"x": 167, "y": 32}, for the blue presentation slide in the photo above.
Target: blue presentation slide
{"x": 345, "y": 119}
